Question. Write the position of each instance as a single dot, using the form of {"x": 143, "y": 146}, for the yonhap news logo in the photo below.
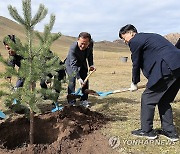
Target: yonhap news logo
{"x": 115, "y": 142}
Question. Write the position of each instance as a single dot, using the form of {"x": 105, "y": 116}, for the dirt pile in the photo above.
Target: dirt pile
{"x": 73, "y": 130}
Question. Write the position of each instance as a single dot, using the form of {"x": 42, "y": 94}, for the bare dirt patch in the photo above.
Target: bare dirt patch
{"x": 73, "y": 130}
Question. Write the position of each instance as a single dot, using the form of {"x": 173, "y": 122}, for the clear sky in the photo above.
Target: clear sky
{"x": 104, "y": 18}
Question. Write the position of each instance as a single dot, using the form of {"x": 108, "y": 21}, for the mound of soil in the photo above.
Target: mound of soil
{"x": 72, "y": 130}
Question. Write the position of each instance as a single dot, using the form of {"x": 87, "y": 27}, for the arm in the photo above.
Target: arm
{"x": 90, "y": 57}
{"x": 15, "y": 60}
{"x": 136, "y": 49}
{"x": 73, "y": 61}
{"x": 11, "y": 62}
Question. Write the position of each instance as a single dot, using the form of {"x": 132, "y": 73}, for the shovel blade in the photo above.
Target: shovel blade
{"x": 2, "y": 115}
{"x": 57, "y": 108}
{"x": 104, "y": 94}
{"x": 78, "y": 91}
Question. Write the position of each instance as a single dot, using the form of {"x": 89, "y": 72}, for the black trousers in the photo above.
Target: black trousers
{"x": 19, "y": 82}
{"x": 56, "y": 86}
{"x": 72, "y": 83}
{"x": 162, "y": 94}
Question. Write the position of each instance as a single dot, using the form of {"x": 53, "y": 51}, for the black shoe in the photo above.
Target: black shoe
{"x": 149, "y": 135}
{"x": 72, "y": 103}
{"x": 169, "y": 135}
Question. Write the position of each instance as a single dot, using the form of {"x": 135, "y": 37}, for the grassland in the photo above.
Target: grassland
{"x": 123, "y": 108}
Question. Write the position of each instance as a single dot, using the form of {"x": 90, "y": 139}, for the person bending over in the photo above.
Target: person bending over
{"x": 80, "y": 52}
{"x": 159, "y": 61}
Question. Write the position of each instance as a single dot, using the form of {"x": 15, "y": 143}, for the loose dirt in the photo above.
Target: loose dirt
{"x": 73, "y": 130}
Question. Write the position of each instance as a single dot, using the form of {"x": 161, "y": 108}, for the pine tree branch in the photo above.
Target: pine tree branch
{"x": 27, "y": 12}
{"x": 14, "y": 14}
{"x": 52, "y": 21}
{"x": 39, "y": 36}
{"x": 2, "y": 60}
{"x": 46, "y": 33}
{"x": 56, "y": 36}
{"x": 2, "y": 93}
{"x": 40, "y": 15}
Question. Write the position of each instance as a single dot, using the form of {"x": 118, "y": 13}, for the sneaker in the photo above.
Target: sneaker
{"x": 169, "y": 135}
{"x": 140, "y": 133}
{"x": 72, "y": 103}
{"x": 85, "y": 103}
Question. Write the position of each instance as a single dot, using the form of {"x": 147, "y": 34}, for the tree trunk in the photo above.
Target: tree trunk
{"x": 31, "y": 132}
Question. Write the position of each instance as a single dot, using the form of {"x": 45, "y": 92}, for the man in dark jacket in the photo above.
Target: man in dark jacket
{"x": 14, "y": 59}
{"x": 76, "y": 64}
{"x": 61, "y": 74}
{"x": 159, "y": 61}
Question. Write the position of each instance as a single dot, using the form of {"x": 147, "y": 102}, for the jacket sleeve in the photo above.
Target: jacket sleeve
{"x": 73, "y": 61}
{"x": 11, "y": 62}
{"x": 136, "y": 49}
{"x": 90, "y": 57}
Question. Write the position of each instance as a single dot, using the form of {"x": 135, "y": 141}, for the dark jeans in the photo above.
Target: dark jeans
{"x": 72, "y": 83}
{"x": 56, "y": 85}
{"x": 162, "y": 94}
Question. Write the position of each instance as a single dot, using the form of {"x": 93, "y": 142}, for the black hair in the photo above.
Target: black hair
{"x": 127, "y": 28}
{"x": 85, "y": 35}
{"x": 11, "y": 37}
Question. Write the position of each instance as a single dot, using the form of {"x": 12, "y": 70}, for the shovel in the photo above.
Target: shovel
{"x": 57, "y": 108}
{"x": 2, "y": 115}
{"x": 103, "y": 94}
{"x": 78, "y": 92}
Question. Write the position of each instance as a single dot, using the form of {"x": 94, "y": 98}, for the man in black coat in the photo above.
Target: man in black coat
{"x": 14, "y": 58}
{"x": 159, "y": 61}
{"x": 60, "y": 76}
{"x": 76, "y": 64}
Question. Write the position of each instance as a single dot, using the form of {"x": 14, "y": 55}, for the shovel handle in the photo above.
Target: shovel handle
{"x": 142, "y": 86}
{"x": 90, "y": 73}
{"x": 119, "y": 91}
{"x": 127, "y": 89}
{"x": 85, "y": 80}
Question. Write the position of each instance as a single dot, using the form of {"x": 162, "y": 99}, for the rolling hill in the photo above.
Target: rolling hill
{"x": 8, "y": 26}
{"x": 60, "y": 46}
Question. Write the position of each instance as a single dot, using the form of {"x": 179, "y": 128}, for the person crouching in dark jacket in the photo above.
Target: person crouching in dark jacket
{"x": 14, "y": 58}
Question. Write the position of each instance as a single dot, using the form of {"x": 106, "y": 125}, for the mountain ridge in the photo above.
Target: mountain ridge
{"x": 7, "y": 26}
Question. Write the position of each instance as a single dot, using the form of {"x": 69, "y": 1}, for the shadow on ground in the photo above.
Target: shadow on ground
{"x": 116, "y": 108}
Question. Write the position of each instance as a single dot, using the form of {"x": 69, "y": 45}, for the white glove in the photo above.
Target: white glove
{"x": 133, "y": 87}
{"x": 81, "y": 82}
